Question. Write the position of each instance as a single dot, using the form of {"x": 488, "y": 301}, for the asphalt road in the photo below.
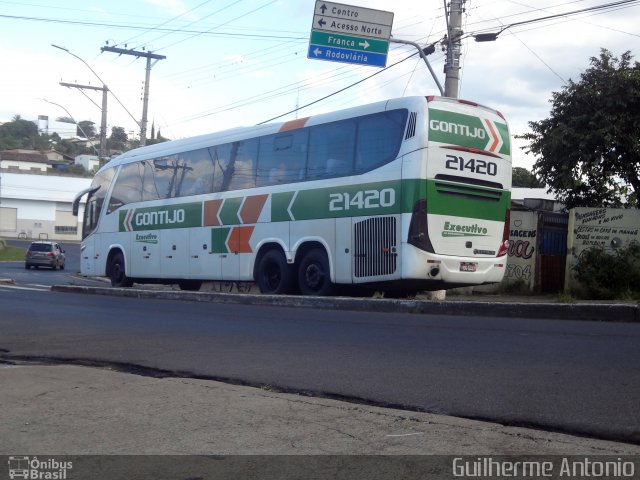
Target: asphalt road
{"x": 45, "y": 276}
{"x": 579, "y": 377}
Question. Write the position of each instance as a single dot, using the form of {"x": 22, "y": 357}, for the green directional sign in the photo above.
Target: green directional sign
{"x": 350, "y": 42}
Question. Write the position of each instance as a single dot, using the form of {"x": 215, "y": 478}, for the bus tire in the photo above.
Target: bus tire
{"x": 274, "y": 274}
{"x": 117, "y": 272}
{"x": 314, "y": 274}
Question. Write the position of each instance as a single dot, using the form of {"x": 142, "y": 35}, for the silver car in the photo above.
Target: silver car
{"x": 44, "y": 254}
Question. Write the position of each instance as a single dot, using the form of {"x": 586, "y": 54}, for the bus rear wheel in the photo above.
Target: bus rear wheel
{"x": 117, "y": 272}
{"x": 314, "y": 275}
{"x": 274, "y": 275}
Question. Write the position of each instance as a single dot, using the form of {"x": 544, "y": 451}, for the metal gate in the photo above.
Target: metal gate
{"x": 552, "y": 251}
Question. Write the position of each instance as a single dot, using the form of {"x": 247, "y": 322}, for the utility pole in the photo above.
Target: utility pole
{"x": 145, "y": 100}
{"x": 454, "y": 42}
{"x": 103, "y": 122}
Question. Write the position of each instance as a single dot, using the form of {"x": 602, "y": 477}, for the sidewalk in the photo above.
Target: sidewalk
{"x": 72, "y": 410}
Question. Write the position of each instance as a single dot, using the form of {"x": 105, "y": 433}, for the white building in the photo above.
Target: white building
{"x": 89, "y": 162}
{"x": 63, "y": 129}
{"x": 39, "y": 206}
{"x": 30, "y": 160}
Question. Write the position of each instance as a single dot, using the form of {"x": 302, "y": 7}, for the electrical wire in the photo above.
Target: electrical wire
{"x": 126, "y": 42}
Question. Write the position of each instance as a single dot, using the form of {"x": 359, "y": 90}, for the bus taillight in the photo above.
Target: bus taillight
{"x": 504, "y": 245}
{"x": 419, "y": 228}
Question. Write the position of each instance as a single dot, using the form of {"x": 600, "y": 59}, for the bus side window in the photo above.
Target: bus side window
{"x": 282, "y": 158}
{"x": 241, "y": 169}
{"x": 331, "y": 150}
{"x": 195, "y": 173}
{"x": 128, "y": 187}
{"x": 222, "y": 171}
{"x": 379, "y": 139}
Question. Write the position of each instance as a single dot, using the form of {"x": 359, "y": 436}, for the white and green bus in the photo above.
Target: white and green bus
{"x": 407, "y": 194}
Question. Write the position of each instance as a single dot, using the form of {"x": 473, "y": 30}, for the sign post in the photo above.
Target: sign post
{"x": 348, "y": 34}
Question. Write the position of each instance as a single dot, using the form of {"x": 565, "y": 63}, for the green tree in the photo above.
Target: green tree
{"x": 523, "y": 178}
{"x": 588, "y": 150}
{"x": 118, "y": 139}
{"x": 86, "y": 129}
{"x": 18, "y": 133}
{"x": 66, "y": 120}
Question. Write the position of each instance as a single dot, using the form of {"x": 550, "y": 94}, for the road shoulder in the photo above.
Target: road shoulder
{"x": 74, "y": 410}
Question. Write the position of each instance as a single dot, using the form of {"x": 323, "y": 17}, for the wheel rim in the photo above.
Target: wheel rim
{"x": 314, "y": 276}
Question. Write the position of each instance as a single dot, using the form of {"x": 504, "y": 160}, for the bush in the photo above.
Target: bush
{"x": 609, "y": 276}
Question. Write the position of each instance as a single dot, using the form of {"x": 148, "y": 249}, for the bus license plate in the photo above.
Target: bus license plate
{"x": 468, "y": 266}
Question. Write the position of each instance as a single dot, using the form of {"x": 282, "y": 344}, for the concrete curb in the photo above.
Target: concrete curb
{"x": 577, "y": 311}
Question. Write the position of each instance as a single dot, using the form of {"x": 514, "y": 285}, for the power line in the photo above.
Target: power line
{"x": 126, "y": 42}
{"x": 134, "y": 27}
{"x": 608, "y": 6}
{"x": 195, "y": 21}
{"x": 338, "y": 91}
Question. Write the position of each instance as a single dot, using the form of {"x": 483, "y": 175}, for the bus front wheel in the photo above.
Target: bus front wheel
{"x": 117, "y": 272}
{"x": 274, "y": 275}
{"x": 314, "y": 276}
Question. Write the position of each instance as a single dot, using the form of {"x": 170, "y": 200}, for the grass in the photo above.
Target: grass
{"x": 10, "y": 254}
{"x": 566, "y": 298}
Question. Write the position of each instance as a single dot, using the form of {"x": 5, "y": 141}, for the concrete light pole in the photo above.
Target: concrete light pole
{"x": 454, "y": 34}
{"x": 103, "y": 123}
{"x": 145, "y": 100}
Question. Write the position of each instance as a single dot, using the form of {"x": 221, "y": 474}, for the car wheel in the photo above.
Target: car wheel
{"x": 314, "y": 277}
{"x": 62, "y": 266}
{"x": 274, "y": 275}
{"x": 27, "y": 267}
{"x": 117, "y": 272}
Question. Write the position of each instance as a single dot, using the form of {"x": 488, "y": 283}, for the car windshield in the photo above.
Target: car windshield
{"x": 40, "y": 247}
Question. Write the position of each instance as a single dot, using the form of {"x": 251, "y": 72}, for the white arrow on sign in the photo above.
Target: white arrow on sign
{"x": 317, "y": 51}
{"x": 364, "y": 44}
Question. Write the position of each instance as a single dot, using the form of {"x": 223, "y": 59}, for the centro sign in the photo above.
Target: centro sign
{"x": 158, "y": 218}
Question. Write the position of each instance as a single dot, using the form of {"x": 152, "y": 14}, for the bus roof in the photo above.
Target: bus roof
{"x": 240, "y": 133}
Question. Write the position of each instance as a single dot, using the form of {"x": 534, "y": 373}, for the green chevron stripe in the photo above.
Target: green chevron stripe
{"x": 219, "y": 239}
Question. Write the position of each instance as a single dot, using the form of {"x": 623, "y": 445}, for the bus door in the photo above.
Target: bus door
{"x": 235, "y": 256}
{"x": 174, "y": 253}
{"x": 342, "y": 264}
{"x": 203, "y": 262}
{"x": 145, "y": 254}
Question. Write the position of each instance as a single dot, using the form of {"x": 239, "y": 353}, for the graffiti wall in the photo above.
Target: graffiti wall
{"x": 608, "y": 228}
{"x": 522, "y": 248}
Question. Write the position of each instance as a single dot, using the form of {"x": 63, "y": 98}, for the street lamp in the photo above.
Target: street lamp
{"x": 423, "y": 54}
{"x": 487, "y": 37}
{"x": 74, "y": 121}
{"x": 103, "y": 124}
{"x": 73, "y": 54}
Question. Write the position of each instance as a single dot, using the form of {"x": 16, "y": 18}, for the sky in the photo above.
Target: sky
{"x": 236, "y": 63}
